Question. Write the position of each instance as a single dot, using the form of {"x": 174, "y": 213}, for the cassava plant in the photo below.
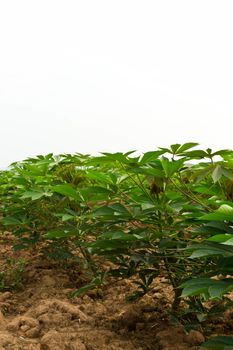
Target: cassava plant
{"x": 142, "y": 213}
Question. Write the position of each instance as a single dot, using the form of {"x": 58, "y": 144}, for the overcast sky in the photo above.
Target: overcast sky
{"x": 92, "y": 75}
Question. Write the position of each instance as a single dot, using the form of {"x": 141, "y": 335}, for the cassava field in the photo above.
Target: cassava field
{"x": 118, "y": 251}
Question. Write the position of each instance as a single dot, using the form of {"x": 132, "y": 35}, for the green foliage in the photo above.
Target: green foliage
{"x": 219, "y": 343}
{"x": 166, "y": 213}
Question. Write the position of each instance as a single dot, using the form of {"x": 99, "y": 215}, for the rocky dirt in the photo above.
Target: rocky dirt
{"x": 40, "y": 315}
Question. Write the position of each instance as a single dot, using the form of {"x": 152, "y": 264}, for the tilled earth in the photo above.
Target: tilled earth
{"x": 41, "y": 315}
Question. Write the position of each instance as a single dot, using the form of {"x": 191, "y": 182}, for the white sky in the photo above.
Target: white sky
{"x": 92, "y": 75}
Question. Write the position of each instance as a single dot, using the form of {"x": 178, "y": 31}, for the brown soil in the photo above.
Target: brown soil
{"x": 41, "y": 316}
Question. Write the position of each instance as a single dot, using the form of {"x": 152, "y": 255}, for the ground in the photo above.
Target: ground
{"x": 40, "y": 315}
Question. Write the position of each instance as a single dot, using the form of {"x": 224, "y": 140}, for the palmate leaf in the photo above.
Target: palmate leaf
{"x": 121, "y": 157}
{"x": 178, "y": 149}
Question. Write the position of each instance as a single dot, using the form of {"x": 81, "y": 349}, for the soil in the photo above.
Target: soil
{"x": 40, "y": 315}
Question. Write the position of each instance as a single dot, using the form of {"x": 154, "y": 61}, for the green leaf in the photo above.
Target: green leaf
{"x": 198, "y": 154}
{"x": 60, "y": 234}
{"x": 178, "y": 149}
{"x": 225, "y": 212}
{"x": 229, "y": 241}
{"x": 113, "y": 209}
{"x": 222, "y": 152}
{"x": 195, "y": 286}
{"x": 67, "y": 217}
{"x": 67, "y": 190}
{"x": 219, "y": 343}
{"x": 210, "y": 249}
{"x": 225, "y": 209}
{"x": 82, "y": 290}
{"x": 122, "y": 236}
{"x": 95, "y": 283}
{"x": 98, "y": 176}
{"x": 10, "y": 220}
{"x": 217, "y": 173}
{"x": 218, "y": 290}
{"x": 95, "y": 192}
{"x": 221, "y": 226}
{"x": 175, "y": 147}
{"x": 150, "y": 156}
{"x": 106, "y": 246}
{"x": 228, "y": 174}
{"x": 104, "y": 211}
{"x": 217, "y": 217}
{"x": 119, "y": 208}
{"x": 220, "y": 238}
{"x": 97, "y": 189}
{"x": 211, "y": 288}
{"x": 170, "y": 167}
{"x": 34, "y": 195}
{"x": 186, "y": 146}
{"x": 151, "y": 171}
{"x": 118, "y": 156}
{"x": 200, "y": 253}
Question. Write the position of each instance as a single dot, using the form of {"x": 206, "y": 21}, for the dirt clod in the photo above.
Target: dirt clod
{"x": 52, "y": 341}
{"x": 2, "y": 321}
{"x": 41, "y": 316}
{"x": 167, "y": 337}
{"x": 24, "y": 325}
{"x": 194, "y": 338}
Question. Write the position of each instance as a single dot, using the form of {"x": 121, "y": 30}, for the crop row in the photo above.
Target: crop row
{"x": 166, "y": 213}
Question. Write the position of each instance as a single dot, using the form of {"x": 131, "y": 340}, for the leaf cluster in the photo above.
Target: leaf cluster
{"x": 167, "y": 212}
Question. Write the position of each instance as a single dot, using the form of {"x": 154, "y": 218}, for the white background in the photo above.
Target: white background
{"x": 92, "y": 75}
